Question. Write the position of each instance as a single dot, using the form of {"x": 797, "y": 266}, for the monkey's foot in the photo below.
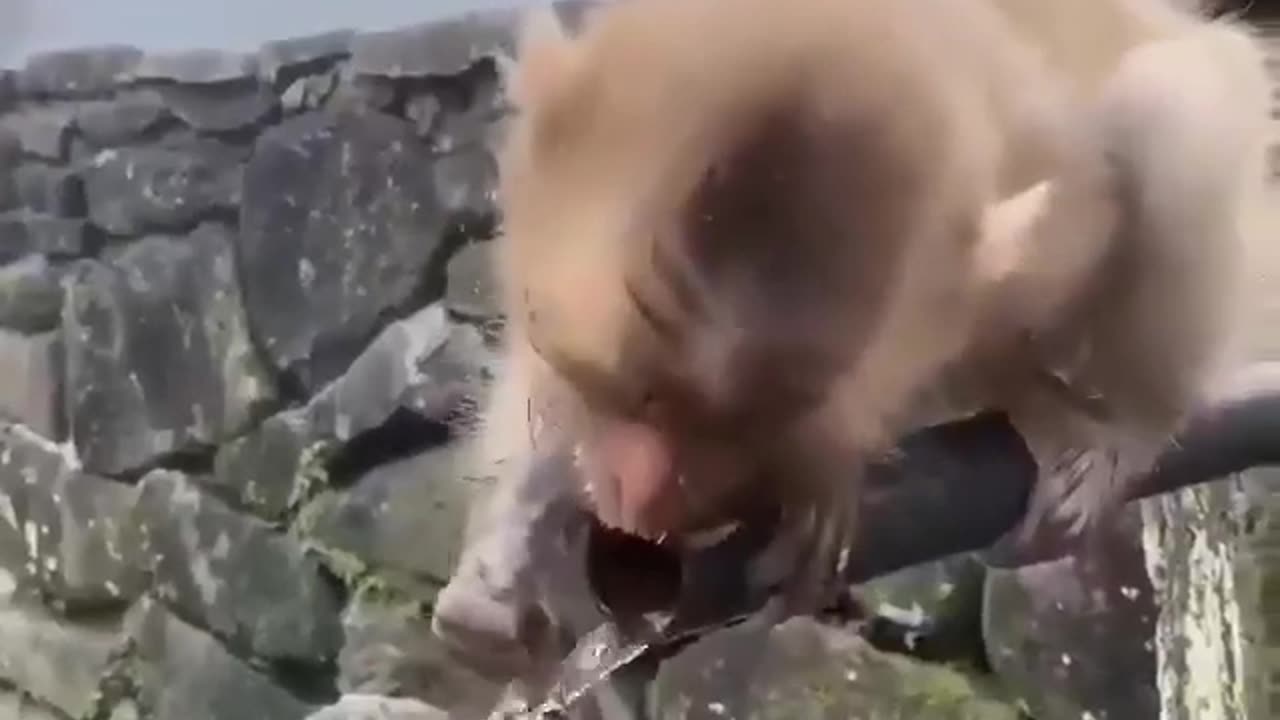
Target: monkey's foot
{"x": 1073, "y": 503}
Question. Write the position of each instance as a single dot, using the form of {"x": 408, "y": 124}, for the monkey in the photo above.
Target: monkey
{"x": 705, "y": 193}
{"x": 1158, "y": 322}
{"x": 744, "y": 244}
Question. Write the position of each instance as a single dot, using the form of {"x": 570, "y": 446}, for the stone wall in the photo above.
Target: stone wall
{"x": 244, "y": 307}
{"x": 244, "y": 316}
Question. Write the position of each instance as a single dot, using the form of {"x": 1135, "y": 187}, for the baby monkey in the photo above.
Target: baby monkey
{"x": 746, "y": 241}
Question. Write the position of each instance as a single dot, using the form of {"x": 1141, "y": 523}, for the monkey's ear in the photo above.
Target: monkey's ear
{"x": 546, "y": 58}
{"x": 1007, "y": 228}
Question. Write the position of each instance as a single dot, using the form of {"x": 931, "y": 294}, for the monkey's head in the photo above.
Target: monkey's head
{"x": 738, "y": 233}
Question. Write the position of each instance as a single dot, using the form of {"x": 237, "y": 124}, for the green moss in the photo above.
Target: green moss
{"x": 849, "y": 680}
{"x": 312, "y": 476}
{"x": 345, "y": 566}
{"x": 380, "y": 591}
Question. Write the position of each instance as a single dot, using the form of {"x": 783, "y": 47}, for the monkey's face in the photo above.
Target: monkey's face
{"x": 709, "y": 242}
{"x": 694, "y": 428}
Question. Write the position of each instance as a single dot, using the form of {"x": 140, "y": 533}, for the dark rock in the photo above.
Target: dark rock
{"x": 404, "y": 519}
{"x": 444, "y": 47}
{"x": 468, "y": 188}
{"x": 802, "y": 669}
{"x": 32, "y": 391}
{"x": 158, "y": 355}
{"x": 76, "y": 73}
{"x": 187, "y": 674}
{"x": 1074, "y": 637}
{"x": 391, "y": 650}
{"x": 30, "y": 295}
{"x": 22, "y": 232}
{"x": 267, "y": 469}
{"x": 283, "y": 61}
{"x": 372, "y": 707}
{"x": 15, "y": 240}
{"x": 235, "y": 575}
{"x": 409, "y": 367}
{"x": 338, "y": 228}
{"x": 50, "y": 190}
{"x": 472, "y": 110}
{"x": 62, "y": 664}
{"x": 10, "y": 157}
{"x": 135, "y": 190}
{"x": 126, "y": 118}
{"x": 196, "y": 67}
{"x": 10, "y": 147}
{"x": 9, "y": 199}
{"x": 356, "y": 93}
{"x": 8, "y": 89}
{"x": 937, "y": 607}
{"x": 81, "y": 549}
{"x": 225, "y": 107}
{"x": 61, "y": 238}
{"x": 219, "y": 151}
{"x": 471, "y": 290}
{"x": 43, "y": 132}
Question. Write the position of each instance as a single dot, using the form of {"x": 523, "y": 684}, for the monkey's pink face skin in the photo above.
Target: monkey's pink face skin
{"x": 641, "y": 481}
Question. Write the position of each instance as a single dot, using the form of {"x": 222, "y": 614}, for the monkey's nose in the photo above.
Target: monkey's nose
{"x": 643, "y": 496}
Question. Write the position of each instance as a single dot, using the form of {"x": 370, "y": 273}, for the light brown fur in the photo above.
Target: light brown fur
{"x": 942, "y": 191}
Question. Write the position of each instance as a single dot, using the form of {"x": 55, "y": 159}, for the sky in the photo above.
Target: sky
{"x": 28, "y": 26}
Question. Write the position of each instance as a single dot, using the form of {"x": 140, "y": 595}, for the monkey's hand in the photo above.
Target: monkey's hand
{"x": 806, "y": 563}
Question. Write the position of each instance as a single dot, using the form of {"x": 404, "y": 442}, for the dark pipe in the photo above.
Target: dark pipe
{"x": 961, "y": 486}
{"x": 1226, "y": 439}
{"x": 955, "y": 488}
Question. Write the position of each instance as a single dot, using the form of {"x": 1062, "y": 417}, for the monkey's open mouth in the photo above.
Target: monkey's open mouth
{"x": 631, "y": 575}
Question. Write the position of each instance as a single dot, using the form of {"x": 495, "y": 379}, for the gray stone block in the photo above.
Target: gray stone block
{"x": 159, "y": 358}
{"x": 443, "y": 47}
{"x": 282, "y": 61}
{"x": 201, "y": 66}
{"x": 56, "y": 191}
{"x": 31, "y": 393}
{"x": 77, "y": 73}
{"x": 131, "y": 191}
{"x": 186, "y": 674}
{"x": 123, "y": 119}
{"x": 23, "y": 232}
{"x": 404, "y": 520}
{"x": 59, "y": 663}
{"x": 80, "y": 549}
{"x": 235, "y": 575}
{"x": 338, "y": 227}
{"x": 225, "y": 107}
{"x": 42, "y": 132}
{"x": 472, "y": 291}
{"x": 420, "y": 365}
